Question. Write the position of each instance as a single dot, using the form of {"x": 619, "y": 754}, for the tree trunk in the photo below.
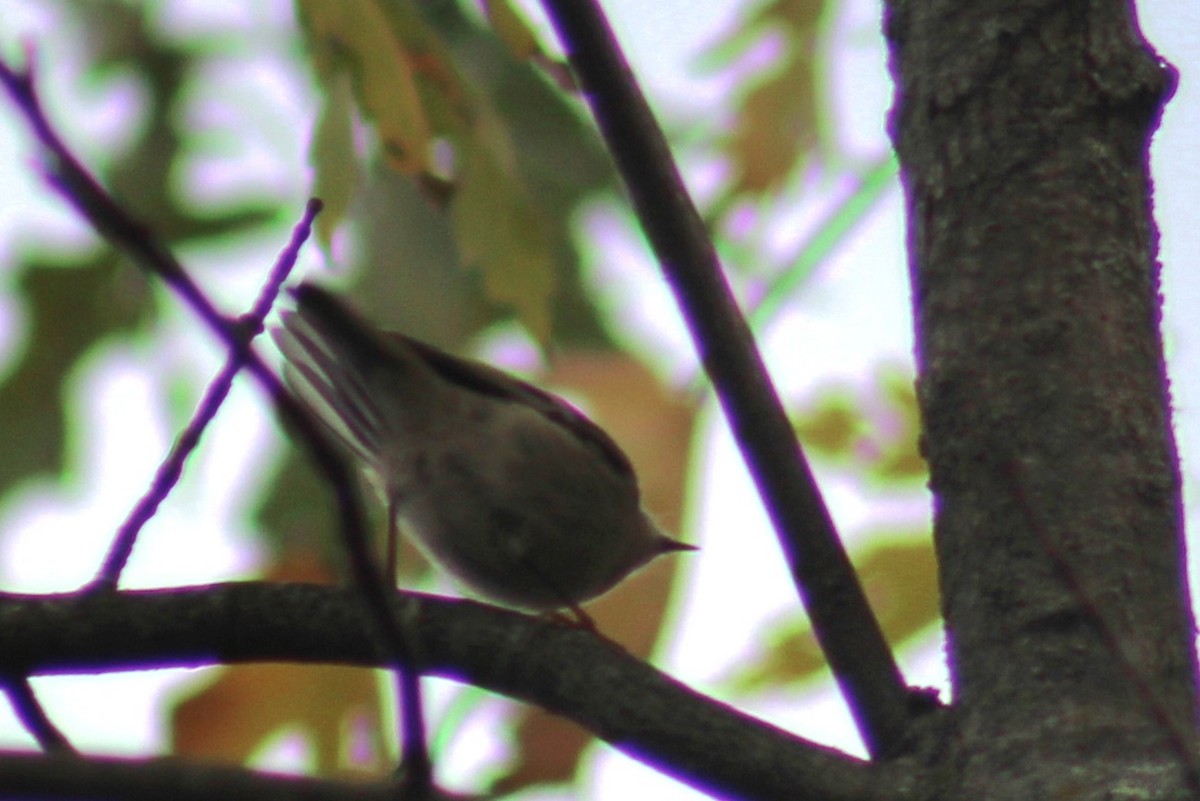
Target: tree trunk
{"x": 1023, "y": 131}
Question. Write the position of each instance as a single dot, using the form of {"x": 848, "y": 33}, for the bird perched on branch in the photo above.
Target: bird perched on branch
{"x": 508, "y": 488}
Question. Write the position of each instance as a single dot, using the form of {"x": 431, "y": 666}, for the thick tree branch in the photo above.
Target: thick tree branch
{"x": 66, "y": 777}
{"x": 841, "y": 618}
{"x": 1023, "y": 134}
{"x": 624, "y": 701}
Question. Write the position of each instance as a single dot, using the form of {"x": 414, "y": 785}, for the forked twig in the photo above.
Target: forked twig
{"x": 64, "y": 172}
{"x": 33, "y": 716}
{"x": 171, "y": 469}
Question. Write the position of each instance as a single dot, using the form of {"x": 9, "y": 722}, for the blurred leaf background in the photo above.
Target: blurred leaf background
{"x": 468, "y": 198}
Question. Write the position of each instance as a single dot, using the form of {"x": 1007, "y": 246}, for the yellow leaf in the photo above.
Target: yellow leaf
{"x": 899, "y": 577}
{"x": 356, "y": 35}
{"x": 512, "y": 28}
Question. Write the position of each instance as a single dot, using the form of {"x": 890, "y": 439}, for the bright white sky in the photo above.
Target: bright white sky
{"x": 55, "y": 536}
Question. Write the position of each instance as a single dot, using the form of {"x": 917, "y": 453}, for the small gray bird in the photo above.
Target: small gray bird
{"x": 510, "y": 489}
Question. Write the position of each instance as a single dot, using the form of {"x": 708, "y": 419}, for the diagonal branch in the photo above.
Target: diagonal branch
{"x": 66, "y": 174}
{"x": 172, "y": 467}
{"x": 841, "y": 618}
{"x": 636, "y": 708}
{"x": 33, "y": 716}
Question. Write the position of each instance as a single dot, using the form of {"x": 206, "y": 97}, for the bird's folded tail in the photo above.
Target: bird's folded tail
{"x": 344, "y": 371}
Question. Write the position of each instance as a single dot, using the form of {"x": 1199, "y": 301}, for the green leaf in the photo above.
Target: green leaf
{"x": 502, "y": 232}
{"x": 899, "y": 576}
{"x": 69, "y": 311}
{"x": 879, "y": 442}
{"x": 333, "y": 157}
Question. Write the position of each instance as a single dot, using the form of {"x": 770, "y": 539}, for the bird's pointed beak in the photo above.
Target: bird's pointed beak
{"x": 668, "y": 545}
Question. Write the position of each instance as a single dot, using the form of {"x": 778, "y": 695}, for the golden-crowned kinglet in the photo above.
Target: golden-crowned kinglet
{"x": 508, "y": 488}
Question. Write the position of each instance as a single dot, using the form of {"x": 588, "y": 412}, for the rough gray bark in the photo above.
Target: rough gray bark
{"x": 1022, "y": 130}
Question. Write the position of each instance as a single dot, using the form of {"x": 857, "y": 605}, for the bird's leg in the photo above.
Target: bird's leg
{"x": 572, "y": 615}
{"x": 392, "y": 552}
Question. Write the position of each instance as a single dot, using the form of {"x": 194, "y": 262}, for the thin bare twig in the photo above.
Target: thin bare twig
{"x": 171, "y": 469}
{"x": 841, "y": 618}
{"x": 64, "y": 172}
{"x": 33, "y": 716}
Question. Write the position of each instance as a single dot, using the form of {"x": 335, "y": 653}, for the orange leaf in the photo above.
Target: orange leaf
{"x": 231, "y": 718}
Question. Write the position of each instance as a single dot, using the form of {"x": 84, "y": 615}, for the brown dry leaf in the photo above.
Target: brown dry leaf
{"x": 654, "y": 426}
{"x": 337, "y": 709}
{"x": 832, "y": 426}
{"x": 775, "y": 122}
{"x": 775, "y": 130}
{"x": 900, "y": 578}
